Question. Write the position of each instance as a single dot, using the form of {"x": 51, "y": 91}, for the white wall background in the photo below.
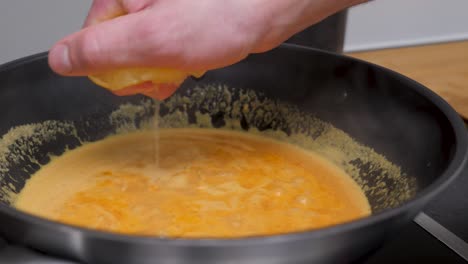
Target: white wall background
{"x": 390, "y": 23}
{"x": 31, "y": 26}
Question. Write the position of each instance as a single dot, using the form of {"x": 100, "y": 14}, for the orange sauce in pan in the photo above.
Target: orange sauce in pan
{"x": 209, "y": 183}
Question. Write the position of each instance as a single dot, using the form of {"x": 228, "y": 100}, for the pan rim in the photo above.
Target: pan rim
{"x": 453, "y": 170}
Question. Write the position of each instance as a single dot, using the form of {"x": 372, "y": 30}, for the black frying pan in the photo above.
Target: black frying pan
{"x": 397, "y": 117}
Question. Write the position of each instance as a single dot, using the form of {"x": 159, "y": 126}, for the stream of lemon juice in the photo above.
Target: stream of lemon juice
{"x": 155, "y": 131}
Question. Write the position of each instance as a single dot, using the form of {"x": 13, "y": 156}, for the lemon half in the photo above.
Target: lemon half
{"x": 122, "y": 78}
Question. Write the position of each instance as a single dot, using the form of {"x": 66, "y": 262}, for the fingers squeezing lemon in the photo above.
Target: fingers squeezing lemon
{"x": 158, "y": 83}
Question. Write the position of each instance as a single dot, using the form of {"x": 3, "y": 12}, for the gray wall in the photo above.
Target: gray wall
{"x": 32, "y": 26}
{"x": 392, "y": 23}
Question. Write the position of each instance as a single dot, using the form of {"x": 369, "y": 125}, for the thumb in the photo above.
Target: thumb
{"x": 119, "y": 42}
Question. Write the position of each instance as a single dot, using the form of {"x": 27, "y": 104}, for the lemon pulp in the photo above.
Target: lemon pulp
{"x": 122, "y": 78}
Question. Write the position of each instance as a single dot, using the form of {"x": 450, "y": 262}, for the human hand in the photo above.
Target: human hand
{"x": 182, "y": 34}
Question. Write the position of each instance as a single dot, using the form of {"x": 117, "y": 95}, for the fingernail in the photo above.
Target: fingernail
{"x": 61, "y": 56}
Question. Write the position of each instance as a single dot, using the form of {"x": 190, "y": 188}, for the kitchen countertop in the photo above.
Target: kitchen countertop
{"x": 441, "y": 67}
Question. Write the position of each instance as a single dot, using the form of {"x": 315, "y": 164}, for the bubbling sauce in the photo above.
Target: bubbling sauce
{"x": 208, "y": 183}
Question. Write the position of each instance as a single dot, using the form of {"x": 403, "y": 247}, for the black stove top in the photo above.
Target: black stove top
{"x": 445, "y": 218}
{"x": 416, "y": 245}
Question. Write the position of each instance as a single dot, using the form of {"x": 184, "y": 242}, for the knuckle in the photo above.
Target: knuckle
{"x": 90, "y": 51}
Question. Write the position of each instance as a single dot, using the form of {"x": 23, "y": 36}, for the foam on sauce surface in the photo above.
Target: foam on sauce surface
{"x": 209, "y": 183}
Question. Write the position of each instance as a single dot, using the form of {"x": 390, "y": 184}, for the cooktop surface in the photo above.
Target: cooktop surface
{"x": 438, "y": 235}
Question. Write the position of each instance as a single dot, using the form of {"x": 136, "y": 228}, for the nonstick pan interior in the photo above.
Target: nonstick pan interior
{"x": 399, "y": 141}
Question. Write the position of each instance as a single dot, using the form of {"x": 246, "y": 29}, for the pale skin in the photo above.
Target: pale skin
{"x": 182, "y": 34}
